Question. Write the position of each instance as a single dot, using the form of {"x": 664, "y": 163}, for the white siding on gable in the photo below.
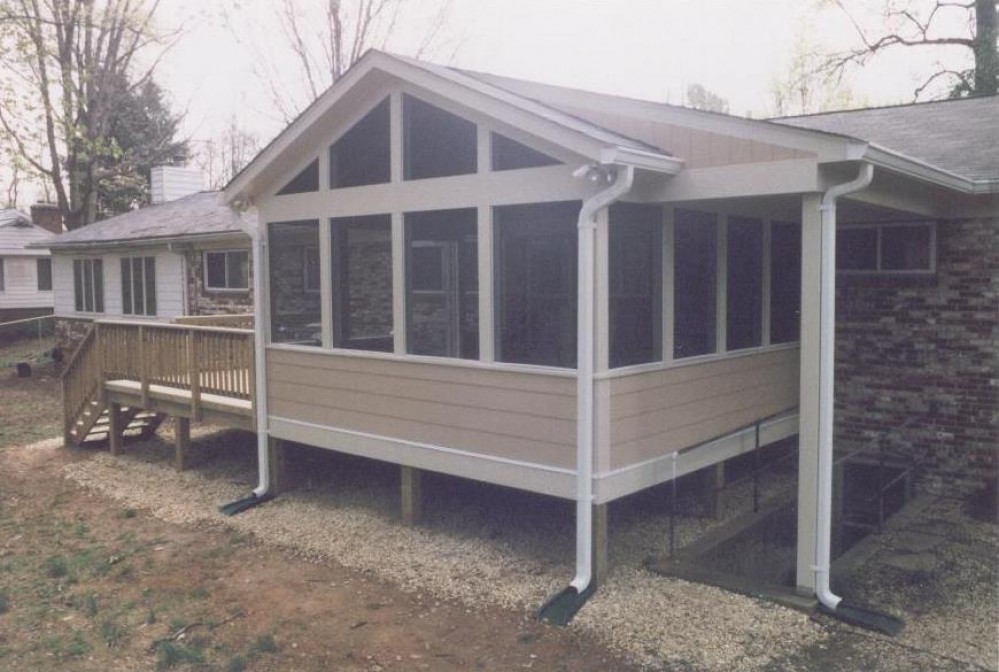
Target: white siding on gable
{"x": 169, "y": 283}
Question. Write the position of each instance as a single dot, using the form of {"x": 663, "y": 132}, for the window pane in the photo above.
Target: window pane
{"x": 237, "y": 269}
{"x": 97, "y": 267}
{"x": 785, "y": 282}
{"x": 509, "y": 154}
{"x": 138, "y": 292}
{"x": 857, "y": 249}
{"x": 215, "y": 270}
{"x": 744, "y": 308}
{"x": 635, "y": 284}
{"x": 126, "y": 286}
{"x": 44, "y": 268}
{"x": 2, "y": 286}
{"x": 295, "y": 312}
{"x": 305, "y": 182}
{"x": 312, "y": 271}
{"x": 906, "y": 248}
{"x": 150, "y": 285}
{"x": 362, "y": 155}
{"x": 443, "y": 299}
{"x": 536, "y": 283}
{"x": 362, "y": 282}
{"x": 695, "y": 278}
{"x": 436, "y": 143}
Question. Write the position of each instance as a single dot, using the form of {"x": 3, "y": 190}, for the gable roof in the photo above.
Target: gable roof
{"x": 12, "y": 217}
{"x": 198, "y": 216}
{"x": 960, "y": 136}
{"x": 18, "y": 234}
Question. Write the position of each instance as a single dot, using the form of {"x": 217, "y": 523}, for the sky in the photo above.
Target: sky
{"x": 650, "y": 49}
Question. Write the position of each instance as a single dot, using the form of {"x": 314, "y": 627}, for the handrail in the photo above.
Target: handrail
{"x": 37, "y": 318}
{"x": 71, "y": 363}
{"x": 170, "y": 325}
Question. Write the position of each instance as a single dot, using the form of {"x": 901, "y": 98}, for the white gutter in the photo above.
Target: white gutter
{"x": 259, "y": 247}
{"x": 827, "y": 360}
{"x": 620, "y": 182}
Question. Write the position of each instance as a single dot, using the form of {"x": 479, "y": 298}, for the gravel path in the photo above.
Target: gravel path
{"x": 473, "y": 547}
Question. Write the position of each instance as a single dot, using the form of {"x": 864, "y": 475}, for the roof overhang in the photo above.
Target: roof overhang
{"x": 899, "y": 163}
{"x": 77, "y": 246}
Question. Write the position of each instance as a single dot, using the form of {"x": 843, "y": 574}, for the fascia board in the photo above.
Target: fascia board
{"x": 920, "y": 170}
{"x": 112, "y": 245}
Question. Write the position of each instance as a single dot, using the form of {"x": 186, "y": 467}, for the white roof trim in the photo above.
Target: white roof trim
{"x": 920, "y": 170}
{"x": 627, "y": 156}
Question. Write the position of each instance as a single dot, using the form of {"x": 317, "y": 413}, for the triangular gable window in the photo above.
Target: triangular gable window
{"x": 362, "y": 155}
{"x": 437, "y": 143}
{"x": 305, "y": 182}
{"x": 511, "y": 155}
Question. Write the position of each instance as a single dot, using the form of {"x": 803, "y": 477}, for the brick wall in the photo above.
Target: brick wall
{"x": 926, "y": 350}
{"x": 204, "y": 302}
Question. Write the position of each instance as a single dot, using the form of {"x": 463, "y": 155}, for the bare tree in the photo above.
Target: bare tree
{"x": 63, "y": 66}
{"x": 323, "y": 38}
{"x": 807, "y": 86}
{"x": 917, "y": 24}
{"x": 222, "y": 158}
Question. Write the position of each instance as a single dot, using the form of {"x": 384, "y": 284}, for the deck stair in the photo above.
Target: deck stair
{"x": 146, "y": 371}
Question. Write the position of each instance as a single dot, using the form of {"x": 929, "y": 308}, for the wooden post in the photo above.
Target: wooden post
{"x": 194, "y": 375}
{"x": 115, "y": 430}
{"x": 143, "y": 368}
{"x": 277, "y": 459}
{"x": 412, "y": 495}
{"x": 182, "y": 432}
{"x": 600, "y": 543}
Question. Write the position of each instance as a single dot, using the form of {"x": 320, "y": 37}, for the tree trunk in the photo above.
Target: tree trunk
{"x": 986, "y": 53}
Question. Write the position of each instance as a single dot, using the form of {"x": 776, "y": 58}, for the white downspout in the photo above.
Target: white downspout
{"x": 258, "y": 253}
{"x": 827, "y": 362}
{"x": 622, "y": 182}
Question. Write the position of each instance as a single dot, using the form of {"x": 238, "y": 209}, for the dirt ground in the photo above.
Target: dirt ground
{"x": 88, "y": 585}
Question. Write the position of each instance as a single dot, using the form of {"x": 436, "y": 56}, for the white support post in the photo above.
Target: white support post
{"x": 808, "y": 435}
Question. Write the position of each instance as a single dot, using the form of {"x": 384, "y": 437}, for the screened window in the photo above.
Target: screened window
{"x": 695, "y": 283}
{"x": 536, "y": 283}
{"x": 138, "y": 285}
{"x": 362, "y": 282}
{"x": 635, "y": 270}
{"x": 88, "y": 285}
{"x": 305, "y": 182}
{"x": 43, "y": 268}
{"x": 295, "y": 311}
{"x": 509, "y": 154}
{"x": 744, "y": 308}
{"x": 362, "y": 155}
{"x": 785, "y": 282}
{"x": 886, "y": 248}
{"x": 436, "y": 143}
{"x": 229, "y": 270}
{"x": 443, "y": 283}
{"x": 310, "y": 267}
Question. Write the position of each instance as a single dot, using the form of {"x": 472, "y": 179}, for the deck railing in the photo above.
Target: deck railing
{"x": 81, "y": 383}
{"x": 241, "y": 321}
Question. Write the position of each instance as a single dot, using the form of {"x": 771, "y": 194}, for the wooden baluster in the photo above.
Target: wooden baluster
{"x": 194, "y": 374}
{"x": 143, "y": 368}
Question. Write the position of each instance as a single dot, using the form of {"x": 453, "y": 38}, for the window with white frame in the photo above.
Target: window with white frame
{"x": 310, "y": 268}
{"x": 695, "y": 283}
{"x": 227, "y": 270}
{"x": 138, "y": 285}
{"x": 43, "y": 268}
{"x": 744, "y": 277}
{"x": 635, "y": 284}
{"x": 887, "y": 248}
{"x": 295, "y": 310}
{"x": 88, "y": 285}
{"x": 361, "y": 260}
{"x": 785, "y": 282}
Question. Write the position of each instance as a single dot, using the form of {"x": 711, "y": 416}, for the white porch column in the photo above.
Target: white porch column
{"x": 808, "y": 437}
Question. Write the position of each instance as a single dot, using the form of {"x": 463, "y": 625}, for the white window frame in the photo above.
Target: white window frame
{"x": 131, "y": 310}
{"x": 38, "y": 276}
{"x": 225, "y": 270}
{"x": 93, "y": 286}
{"x": 878, "y": 270}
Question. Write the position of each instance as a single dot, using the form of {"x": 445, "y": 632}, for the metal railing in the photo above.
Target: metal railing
{"x": 38, "y": 329}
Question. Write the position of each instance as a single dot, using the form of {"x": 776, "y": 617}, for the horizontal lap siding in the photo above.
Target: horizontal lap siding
{"x": 657, "y": 413}
{"x": 516, "y": 416}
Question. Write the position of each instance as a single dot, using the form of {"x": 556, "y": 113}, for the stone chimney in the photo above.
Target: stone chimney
{"x": 168, "y": 183}
{"x": 47, "y": 216}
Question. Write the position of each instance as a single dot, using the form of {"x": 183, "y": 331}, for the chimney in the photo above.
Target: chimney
{"x": 168, "y": 183}
{"x": 47, "y": 216}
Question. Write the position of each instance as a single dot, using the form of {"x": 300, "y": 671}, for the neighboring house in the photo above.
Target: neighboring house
{"x": 187, "y": 256}
{"x": 25, "y": 273}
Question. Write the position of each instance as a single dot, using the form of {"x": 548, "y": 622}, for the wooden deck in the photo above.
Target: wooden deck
{"x": 125, "y": 373}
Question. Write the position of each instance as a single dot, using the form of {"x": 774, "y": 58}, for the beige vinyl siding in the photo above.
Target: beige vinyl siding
{"x": 518, "y": 416}
{"x": 698, "y": 148}
{"x": 659, "y": 412}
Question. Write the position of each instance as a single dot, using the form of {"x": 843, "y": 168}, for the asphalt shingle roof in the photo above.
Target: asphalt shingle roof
{"x": 960, "y": 136}
{"x": 191, "y": 216}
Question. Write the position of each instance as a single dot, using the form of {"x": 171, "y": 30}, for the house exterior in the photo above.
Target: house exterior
{"x": 183, "y": 257}
{"x": 584, "y": 296}
{"x": 25, "y": 272}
